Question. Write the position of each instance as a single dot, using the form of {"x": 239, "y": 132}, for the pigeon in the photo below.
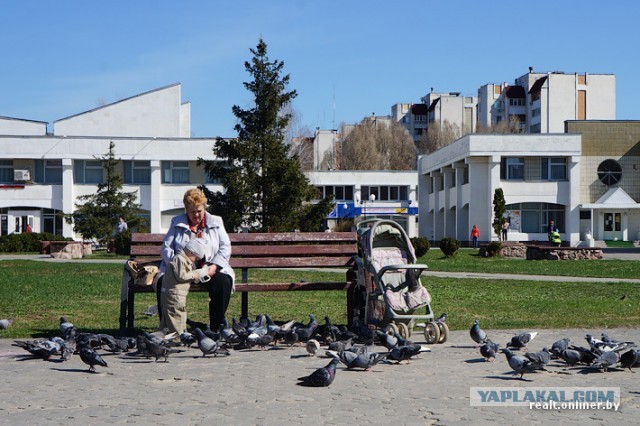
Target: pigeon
{"x": 352, "y": 360}
{"x": 629, "y": 359}
{"x": 520, "y": 364}
{"x": 238, "y": 328}
{"x": 158, "y": 350}
{"x": 115, "y": 345}
{"x": 609, "y": 345}
{"x": 559, "y": 346}
{"x": 387, "y": 339}
{"x": 489, "y": 350}
{"x": 209, "y": 346}
{"x": 91, "y": 358}
{"x": 329, "y": 332}
{"x": 65, "y": 326}
{"x": 406, "y": 352}
{"x": 43, "y": 349}
{"x": 227, "y": 334}
{"x": 477, "y": 334}
{"x": 570, "y": 356}
{"x": 305, "y": 333}
{"x": 321, "y": 377}
{"x": 587, "y": 356}
{"x": 339, "y": 345}
{"x": 313, "y": 346}
{"x": 605, "y": 360}
{"x": 291, "y": 338}
{"x": 542, "y": 357}
{"x": 187, "y": 339}
{"x": 521, "y": 340}
{"x": 5, "y": 323}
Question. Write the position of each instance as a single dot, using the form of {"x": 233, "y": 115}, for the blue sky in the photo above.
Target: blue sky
{"x": 346, "y": 59}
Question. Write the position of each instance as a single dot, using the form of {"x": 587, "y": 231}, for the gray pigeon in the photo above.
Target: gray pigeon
{"x": 158, "y": 350}
{"x": 353, "y": 360}
{"x": 477, "y": 334}
{"x": 5, "y": 323}
{"x": 489, "y": 350}
{"x": 570, "y": 356}
{"x": 543, "y": 357}
{"x": 313, "y": 346}
{"x": 209, "y": 346}
{"x": 559, "y": 346}
{"x": 91, "y": 358}
{"x": 387, "y": 339}
{"x": 629, "y": 359}
{"x": 520, "y": 364}
{"x": 609, "y": 345}
{"x": 39, "y": 348}
{"x": 321, "y": 377}
{"x": 521, "y": 340}
{"x": 605, "y": 360}
{"x": 406, "y": 352}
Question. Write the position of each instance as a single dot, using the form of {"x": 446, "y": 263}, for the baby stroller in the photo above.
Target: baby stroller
{"x": 389, "y": 293}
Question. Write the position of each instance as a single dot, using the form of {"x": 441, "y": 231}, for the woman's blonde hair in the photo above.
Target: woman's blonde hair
{"x": 194, "y": 197}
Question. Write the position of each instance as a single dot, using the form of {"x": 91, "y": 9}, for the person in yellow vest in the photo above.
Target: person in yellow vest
{"x": 554, "y": 237}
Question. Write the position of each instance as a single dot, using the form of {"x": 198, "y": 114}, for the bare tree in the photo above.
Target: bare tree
{"x": 377, "y": 144}
{"x": 513, "y": 125}
{"x": 439, "y": 136}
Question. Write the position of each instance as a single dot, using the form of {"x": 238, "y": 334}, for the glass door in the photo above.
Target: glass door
{"x": 612, "y": 226}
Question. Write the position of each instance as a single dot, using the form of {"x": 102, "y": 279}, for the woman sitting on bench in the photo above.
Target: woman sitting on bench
{"x": 196, "y": 222}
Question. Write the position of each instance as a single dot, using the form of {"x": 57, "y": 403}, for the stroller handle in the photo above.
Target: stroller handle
{"x": 384, "y": 269}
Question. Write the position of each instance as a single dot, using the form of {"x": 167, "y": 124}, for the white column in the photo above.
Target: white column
{"x": 572, "y": 218}
{"x": 68, "y": 197}
{"x": 155, "y": 193}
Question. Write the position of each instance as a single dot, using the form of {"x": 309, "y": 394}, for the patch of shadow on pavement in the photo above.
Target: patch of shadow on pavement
{"x": 301, "y": 356}
{"x": 475, "y": 360}
{"x": 512, "y": 377}
{"x": 79, "y": 370}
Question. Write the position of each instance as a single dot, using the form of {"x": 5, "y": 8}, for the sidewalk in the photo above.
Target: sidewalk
{"x": 258, "y": 387}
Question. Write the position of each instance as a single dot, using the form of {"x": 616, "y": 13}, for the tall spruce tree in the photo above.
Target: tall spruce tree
{"x": 499, "y": 210}
{"x": 96, "y": 214}
{"x": 265, "y": 188}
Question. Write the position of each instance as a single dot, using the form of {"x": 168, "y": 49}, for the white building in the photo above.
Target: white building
{"x": 452, "y": 107}
{"x": 42, "y": 174}
{"x": 586, "y": 180}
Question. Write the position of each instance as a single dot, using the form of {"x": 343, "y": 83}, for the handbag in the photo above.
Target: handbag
{"x": 142, "y": 276}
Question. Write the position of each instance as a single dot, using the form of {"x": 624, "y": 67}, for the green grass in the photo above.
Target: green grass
{"x": 621, "y": 244}
{"x": 467, "y": 260}
{"x": 36, "y": 294}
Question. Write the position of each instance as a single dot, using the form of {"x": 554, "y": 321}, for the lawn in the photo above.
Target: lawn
{"x": 36, "y": 294}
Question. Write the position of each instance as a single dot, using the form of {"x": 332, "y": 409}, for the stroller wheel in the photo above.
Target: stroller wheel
{"x": 404, "y": 330}
{"x": 444, "y": 332}
{"x": 431, "y": 332}
{"x": 392, "y": 327}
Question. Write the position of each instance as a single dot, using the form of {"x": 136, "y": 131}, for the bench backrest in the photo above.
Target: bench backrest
{"x": 271, "y": 250}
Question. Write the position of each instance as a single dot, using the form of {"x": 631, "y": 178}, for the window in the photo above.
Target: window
{"x": 516, "y": 102}
{"x": 535, "y": 128}
{"x": 386, "y": 193}
{"x": 554, "y": 168}
{"x": 175, "y": 172}
{"x": 340, "y": 193}
{"x": 51, "y": 221}
{"x": 49, "y": 171}
{"x": 6, "y": 171}
{"x": 465, "y": 175}
{"x": 137, "y": 172}
{"x": 512, "y": 168}
{"x": 535, "y": 112}
{"x": 535, "y": 216}
{"x": 88, "y": 171}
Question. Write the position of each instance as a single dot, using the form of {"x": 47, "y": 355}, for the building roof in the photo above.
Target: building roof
{"x": 538, "y": 84}
{"x": 514, "y": 92}
{"x": 614, "y": 198}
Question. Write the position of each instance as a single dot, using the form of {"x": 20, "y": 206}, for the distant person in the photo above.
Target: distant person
{"x": 475, "y": 236}
{"x": 554, "y": 238}
{"x": 551, "y": 228}
{"x": 121, "y": 226}
{"x": 28, "y": 229}
{"x": 505, "y": 229}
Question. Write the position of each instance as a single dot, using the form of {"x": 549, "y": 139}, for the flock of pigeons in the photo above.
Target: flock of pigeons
{"x": 601, "y": 354}
{"x": 349, "y": 346}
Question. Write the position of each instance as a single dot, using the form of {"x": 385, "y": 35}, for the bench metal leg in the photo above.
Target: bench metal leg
{"x": 244, "y": 305}
{"x": 130, "y": 310}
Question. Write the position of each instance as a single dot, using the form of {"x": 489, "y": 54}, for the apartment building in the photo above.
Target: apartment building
{"x": 541, "y": 102}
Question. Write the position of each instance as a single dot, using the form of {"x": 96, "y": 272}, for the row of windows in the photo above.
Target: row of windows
{"x": 535, "y": 217}
{"x": 382, "y": 192}
{"x": 91, "y": 172}
{"x": 551, "y": 168}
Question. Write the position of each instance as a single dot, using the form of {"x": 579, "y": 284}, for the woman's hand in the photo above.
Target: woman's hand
{"x": 212, "y": 270}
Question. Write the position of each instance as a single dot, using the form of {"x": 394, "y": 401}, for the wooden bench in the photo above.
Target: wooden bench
{"x": 258, "y": 250}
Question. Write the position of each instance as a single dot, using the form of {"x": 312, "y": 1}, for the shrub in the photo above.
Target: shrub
{"x": 122, "y": 242}
{"x": 420, "y": 245}
{"x": 493, "y": 249}
{"x": 26, "y": 242}
{"x": 449, "y": 246}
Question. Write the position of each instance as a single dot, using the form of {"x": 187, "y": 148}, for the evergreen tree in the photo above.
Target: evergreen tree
{"x": 97, "y": 214}
{"x": 499, "y": 210}
{"x": 265, "y": 188}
